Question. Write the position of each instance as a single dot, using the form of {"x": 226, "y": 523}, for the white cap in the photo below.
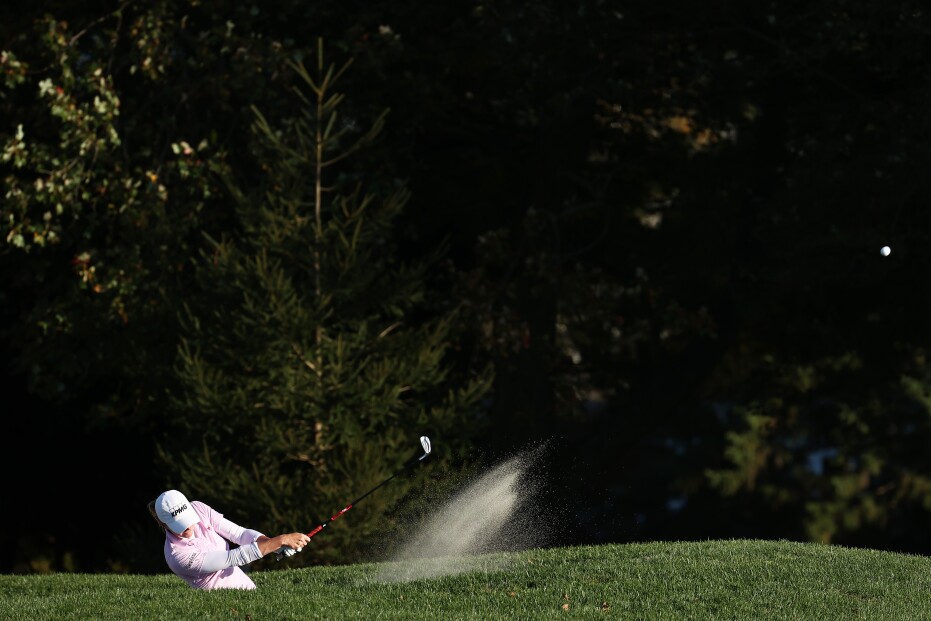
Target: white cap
{"x": 174, "y": 510}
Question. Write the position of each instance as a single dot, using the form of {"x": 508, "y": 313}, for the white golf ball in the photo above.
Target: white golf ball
{"x": 885, "y": 251}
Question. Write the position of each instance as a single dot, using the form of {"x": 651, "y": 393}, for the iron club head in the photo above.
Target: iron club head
{"x": 425, "y": 443}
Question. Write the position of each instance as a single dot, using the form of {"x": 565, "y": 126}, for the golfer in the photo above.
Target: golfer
{"x": 197, "y": 543}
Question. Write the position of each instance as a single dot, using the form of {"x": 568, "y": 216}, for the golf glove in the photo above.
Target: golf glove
{"x": 285, "y": 552}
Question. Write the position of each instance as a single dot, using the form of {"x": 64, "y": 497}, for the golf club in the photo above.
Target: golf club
{"x": 416, "y": 459}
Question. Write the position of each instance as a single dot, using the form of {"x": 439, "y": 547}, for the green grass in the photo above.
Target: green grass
{"x": 701, "y": 580}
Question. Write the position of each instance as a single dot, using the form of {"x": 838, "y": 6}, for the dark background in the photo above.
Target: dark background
{"x": 661, "y": 222}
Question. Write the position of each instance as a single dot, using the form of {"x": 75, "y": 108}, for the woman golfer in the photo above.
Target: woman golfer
{"x": 197, "y": 544}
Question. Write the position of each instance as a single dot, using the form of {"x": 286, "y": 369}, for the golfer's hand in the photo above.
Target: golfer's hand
{"x": 285, "y": 552}
{"x": 294, "y": 541}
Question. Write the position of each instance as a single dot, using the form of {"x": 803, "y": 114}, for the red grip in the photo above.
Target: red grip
{"x": 341, "y": 512}
{"x": 322, "y": 526}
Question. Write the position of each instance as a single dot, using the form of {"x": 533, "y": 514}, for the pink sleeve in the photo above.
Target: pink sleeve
{"x": 197, "y": 561}
{"x": 235, "y": 533}
{"x": 227, "y": 529}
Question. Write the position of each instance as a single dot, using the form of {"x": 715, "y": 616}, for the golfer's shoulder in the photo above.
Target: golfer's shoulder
{"x": 202, "y": 508}
{"x": 207, "y": 514}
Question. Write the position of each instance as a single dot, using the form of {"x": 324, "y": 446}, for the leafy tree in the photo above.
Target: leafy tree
{"x": 310, "y": 359}
{"x": 117, "y": 126}
{"x": 102, "y": 197}
{"x": 116, "y": 120}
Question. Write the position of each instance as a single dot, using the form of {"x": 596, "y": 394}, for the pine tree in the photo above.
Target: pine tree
{"x": 837, "y": 458}
{"x": 311, "y": 360}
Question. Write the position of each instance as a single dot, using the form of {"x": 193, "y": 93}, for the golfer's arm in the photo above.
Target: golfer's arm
{"x": 246, "y": 536}
{"x": 221, "y": 559}
{"x": 269, "y": 544}
{"x": 243, "y": 555}
{"x": 236, "y": 533}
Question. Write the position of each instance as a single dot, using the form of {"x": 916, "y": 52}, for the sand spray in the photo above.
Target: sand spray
{"x": 496, "y": 510}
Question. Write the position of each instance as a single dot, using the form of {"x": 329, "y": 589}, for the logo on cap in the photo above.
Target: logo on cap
{"x": 179, "y": 510}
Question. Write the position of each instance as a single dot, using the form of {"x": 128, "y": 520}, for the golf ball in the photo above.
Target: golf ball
{"x": 885, "y": 251}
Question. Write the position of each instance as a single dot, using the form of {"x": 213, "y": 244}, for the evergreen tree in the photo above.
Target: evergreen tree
{"x": 837, "y": 458}
{"x": 311, "y": 360}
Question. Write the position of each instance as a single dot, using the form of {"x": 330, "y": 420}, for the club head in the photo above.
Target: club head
{"x": 425, "y": 443}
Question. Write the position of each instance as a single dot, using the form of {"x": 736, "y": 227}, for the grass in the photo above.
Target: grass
{"x": 654, "y": 581}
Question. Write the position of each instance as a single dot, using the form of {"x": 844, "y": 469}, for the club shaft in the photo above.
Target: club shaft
{"x": 323, "y": 525}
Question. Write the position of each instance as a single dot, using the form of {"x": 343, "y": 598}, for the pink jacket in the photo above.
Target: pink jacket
{"x": 205, "y": 560}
